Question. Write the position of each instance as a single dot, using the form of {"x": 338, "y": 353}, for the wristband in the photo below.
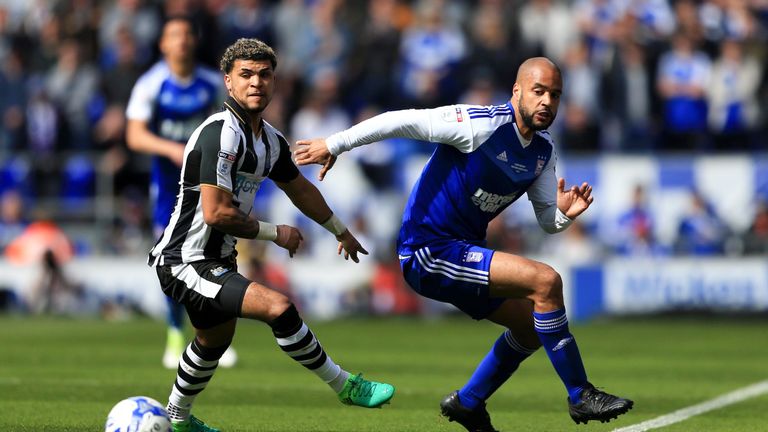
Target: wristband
{"x": 267, "y": 231}
{"x": 334, "y": 225}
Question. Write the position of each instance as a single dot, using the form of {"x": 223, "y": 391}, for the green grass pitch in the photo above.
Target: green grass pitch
{"x": 64, "y": 375}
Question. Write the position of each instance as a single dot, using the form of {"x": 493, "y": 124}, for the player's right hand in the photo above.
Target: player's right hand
{"x": 315, "y": 151}
{"x": 289, "y": 238}
{"x": 349, "y": 244}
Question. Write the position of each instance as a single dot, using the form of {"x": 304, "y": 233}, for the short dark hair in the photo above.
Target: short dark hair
{"x": 247, "y": 49}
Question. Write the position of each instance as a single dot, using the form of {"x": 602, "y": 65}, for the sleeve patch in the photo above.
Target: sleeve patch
{"x": 452, "y": 114}
{"x": 227, "y": 156}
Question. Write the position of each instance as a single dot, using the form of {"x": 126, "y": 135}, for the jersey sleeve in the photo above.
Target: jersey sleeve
{"x": 142, "y": 101}
{"x": 543, "y": 196}
{"x": 445, "y": 125}
{"x": 218, "y": 146}
{"x": 284, "y": 169}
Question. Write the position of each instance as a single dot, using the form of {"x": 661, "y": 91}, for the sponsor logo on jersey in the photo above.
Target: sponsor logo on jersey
{"x": 491, "y": 202}
{"x": 519, "y": 167}
{"x": 218, "y": 271}
{"x": 246, "y": 184}
{"x": 502, "y": 156}
{"x": 178, "y": 130}
{"x": 473, "y": 257}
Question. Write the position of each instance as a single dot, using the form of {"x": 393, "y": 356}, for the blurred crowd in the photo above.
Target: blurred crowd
{"x": 641, "y": 76}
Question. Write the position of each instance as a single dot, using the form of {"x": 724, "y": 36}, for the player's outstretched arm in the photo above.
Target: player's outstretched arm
{"x": 315, "y": 151}
{"x": 575, "y": 200}
{"x": 308, "y": 199}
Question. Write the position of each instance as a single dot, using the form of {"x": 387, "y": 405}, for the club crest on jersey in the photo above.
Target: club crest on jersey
{"x": 490, "y": 202}
{"x": 540, "y": 165}
{"x": 218, "y": 271}
{"x": 224, "y": 166}
{"x": 473, "y": 257}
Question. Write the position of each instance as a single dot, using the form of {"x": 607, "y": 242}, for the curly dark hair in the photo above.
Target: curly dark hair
{"x": 247, "y": 49}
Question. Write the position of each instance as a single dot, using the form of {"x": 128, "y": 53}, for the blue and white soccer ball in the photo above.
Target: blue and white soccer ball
{"x": 138, "y": 414}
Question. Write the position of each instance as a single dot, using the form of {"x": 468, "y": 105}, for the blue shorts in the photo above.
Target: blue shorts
{"x": 453, "y": 272}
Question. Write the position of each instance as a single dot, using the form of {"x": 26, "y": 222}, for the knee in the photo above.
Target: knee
{"x": 277, "y": 306}
{"x": 548, "y": 286}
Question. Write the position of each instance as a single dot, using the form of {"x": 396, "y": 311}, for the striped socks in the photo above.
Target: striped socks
{"x": 196, "y": 367}
{"x": 298, "y": 341}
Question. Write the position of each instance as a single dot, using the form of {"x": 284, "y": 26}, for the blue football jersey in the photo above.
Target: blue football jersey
{"x": 484, "y": 167}
{"x": 172, "y": 109}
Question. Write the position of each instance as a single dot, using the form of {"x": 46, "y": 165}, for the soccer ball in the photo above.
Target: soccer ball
{"x": 138, "y": 414}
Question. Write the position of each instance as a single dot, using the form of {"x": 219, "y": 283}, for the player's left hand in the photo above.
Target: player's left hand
{"x": 575, "y": 200}
{"x": 314, "y": 151}
{"x": 349, "y": 244}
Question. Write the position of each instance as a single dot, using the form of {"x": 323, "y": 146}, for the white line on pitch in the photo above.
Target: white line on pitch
{"x": 733, "y": 397}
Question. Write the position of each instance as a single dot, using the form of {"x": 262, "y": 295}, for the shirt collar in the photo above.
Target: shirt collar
{"x": 239, "y": 112}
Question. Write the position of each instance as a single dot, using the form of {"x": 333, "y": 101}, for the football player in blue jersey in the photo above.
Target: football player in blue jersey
{"x": 167, "y": 103}
{"x": 490, "y": 157}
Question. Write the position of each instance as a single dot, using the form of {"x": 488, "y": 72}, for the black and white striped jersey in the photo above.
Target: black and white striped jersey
{"x": 222, "y": 152}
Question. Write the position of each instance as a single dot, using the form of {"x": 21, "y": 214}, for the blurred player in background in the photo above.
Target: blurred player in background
{"x": 492, "y": 155}
{"x": 225, "y": 162}
{"x": 167, "y": 103}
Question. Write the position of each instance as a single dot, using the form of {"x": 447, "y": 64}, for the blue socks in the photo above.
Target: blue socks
{"x": 552, "y": 328}
{"x": 175, "y": 314}
{"x": 497, "y": 366}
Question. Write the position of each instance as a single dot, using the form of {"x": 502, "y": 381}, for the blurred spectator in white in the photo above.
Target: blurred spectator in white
{"x": 650, "y": 20}
{"x": 537, "y": 19}
{"x": 600, "y": 21}
{"x": 682, "y": 78}
{"x": 71, "y": 84}
{"x": 290, "y": 16}
{"x": 732, "y": 96}
{"x": 576, "y": 246}
{"x": 325, "y": 40}
{"x": 727, "y": 19}
{"x": 140, "y": 18}
{"x": 701, "y": 231}
{"x": 580, "y": 109}
{"x": 430, "y": 52}
{"x": 627, "y": 114}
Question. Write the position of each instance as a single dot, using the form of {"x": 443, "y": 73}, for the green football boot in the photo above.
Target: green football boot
{"x": 363, "y": 393}
{"x": 193, "y": 424}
